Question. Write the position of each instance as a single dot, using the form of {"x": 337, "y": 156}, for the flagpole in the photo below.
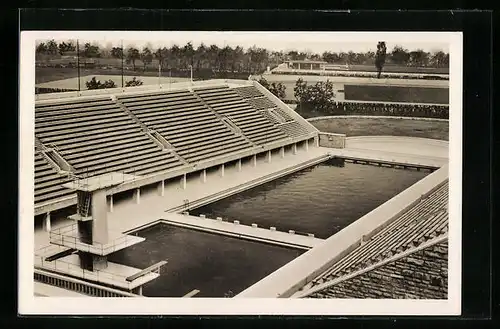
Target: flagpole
{"x": 78, "y": 62}
{"x": 123, "y": 50}
{"x": 159, "y": 73}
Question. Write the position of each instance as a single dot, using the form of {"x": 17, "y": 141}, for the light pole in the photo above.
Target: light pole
{"x": 159, "y": 73}
{"x": 191, "y": 68}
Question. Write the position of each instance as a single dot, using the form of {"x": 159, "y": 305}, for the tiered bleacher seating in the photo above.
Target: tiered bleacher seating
{"x": 261, "y": 103}
{"x": 248, "y": 92}
{"x": 423, "y": 222}
{"x": 190, "y": 126}
{"x": 252, "y": 123}
{"x": 96, "y": 136}
{"x": 48, "y": 181}
{"x": 293, "y": 129}
{"x": 270, "y": 117}
{"x": 286, "y": 123}
{"x": 283, "y": 114}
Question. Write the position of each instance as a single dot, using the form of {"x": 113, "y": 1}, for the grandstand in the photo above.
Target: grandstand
{"x": 405, "y": 259}
{"x": 157, "y": 133}
{"x": 148, "y": 131}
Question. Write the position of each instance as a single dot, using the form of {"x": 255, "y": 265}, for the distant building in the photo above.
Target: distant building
{"x": 306, "y": 65}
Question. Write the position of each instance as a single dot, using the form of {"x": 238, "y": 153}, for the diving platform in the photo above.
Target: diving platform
{"x": 114, "y": 274}
{"x": 68, "y": 236}
{"x": 81, "y": 249}
{"x": 100, "y": 182}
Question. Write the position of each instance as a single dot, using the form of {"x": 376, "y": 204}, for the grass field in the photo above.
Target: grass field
{"x": 339, "y": 83}
{"x": 384, "y": 127}
{"x": 48, "y": 74}
{"x": 396, "y": 94}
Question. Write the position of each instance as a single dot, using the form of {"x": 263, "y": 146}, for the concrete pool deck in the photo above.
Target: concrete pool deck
{"x": 128, "y": 215}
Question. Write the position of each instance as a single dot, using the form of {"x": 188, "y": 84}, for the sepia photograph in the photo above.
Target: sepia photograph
{"x": 265, "y": 172}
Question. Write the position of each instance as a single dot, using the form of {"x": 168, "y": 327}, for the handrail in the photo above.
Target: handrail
{"x": 145, "y": 271}
{"x": 61, "y": 236}
{"x": 88, "y": 284}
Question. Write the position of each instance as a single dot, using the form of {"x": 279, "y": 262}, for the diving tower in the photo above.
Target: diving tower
{"x": 92, "y": 242}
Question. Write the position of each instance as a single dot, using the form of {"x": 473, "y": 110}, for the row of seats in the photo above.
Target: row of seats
{"x": 274, "y": 120}
{"x": 258, "y": 101}
{"x": 248, "y": 92}
{"x": 423, "y": 222}
{"x": 188, "y": 124}
{"x": 252, "y": 123}
{"x": 261, "y": 103}
{"x": 48, "y": 181}
{"x": 96, "y": 136}
{"x": 293, "y": 129}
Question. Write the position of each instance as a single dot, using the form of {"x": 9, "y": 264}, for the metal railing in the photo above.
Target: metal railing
{"x": 65, "y": 236}
{"x": 79, "y": 286}
{"x": 68, "y": 268}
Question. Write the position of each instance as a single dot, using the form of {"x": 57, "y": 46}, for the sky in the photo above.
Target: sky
{"x": 316, "y": 42}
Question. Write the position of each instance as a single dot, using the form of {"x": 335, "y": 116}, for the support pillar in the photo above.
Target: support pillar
{"x": 238, "y": 165}
{"x": 137, "y": 291}
{"x": 254, "y": 160}
{"x": 111, "y": 203}
{"x": 294, "y": 148}
{"x": 307, "y": 145}
{"x": 269, "y": 156}
{"x": 282, "y": 152}
{"x": 222, "y": 170}
{"x": 183, "y": 182}
{"x": 46, "y": 222}
{"x": 161, "y": 188}
{"x": 316, "y": 141}
{"x": 203, "y": 176}
{"x": 137, "y": 195}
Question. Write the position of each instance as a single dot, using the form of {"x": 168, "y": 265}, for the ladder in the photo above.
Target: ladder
{"x": 86, "y": 206}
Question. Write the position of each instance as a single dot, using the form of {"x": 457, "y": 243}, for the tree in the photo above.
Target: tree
{"x": 97, "y": 84}
{"x": 66, "y": 47}
{"x": 300, "y": 90}
{"x": 41, "y": 48}
{"x": 161, "y": 54}
{"x": 133, "y": 83}
{"x": 278, "y": 89}
{"x": 400, "y": 55}
{"x": 419, "y": 58}
{"x": 133, "y": 55}
{"x": 318, "y": 97}
{"x": 146, "y": 57}
{"x": 439, "y": 59}
{"x": 52, "y": 47}
{"x": 380, "y": 57}
{"x": 116, "y": 52}
{"x": 188, "y": 54}
{"x": 91, "y": 51}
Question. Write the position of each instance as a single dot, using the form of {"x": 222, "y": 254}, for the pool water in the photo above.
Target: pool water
{"x": 218, "y": 266}
{"x": 320, "y": 200}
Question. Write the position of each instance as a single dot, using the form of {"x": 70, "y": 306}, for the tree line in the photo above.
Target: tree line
{"x": 238, "y": 59}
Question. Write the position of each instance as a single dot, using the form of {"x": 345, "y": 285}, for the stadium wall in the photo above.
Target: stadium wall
{"x": 332, "y": 140}
{"x": 288, "y": 279}
{"x": 374, "y": 117}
